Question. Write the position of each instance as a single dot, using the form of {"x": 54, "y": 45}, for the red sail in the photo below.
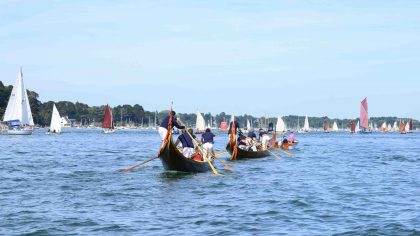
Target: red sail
{"x": 352, "y": 126}
{"x": 325, "y": 125}
{"x": 108, "y": 123}
{"x": 402, "y": 127}
{"x": 410, "y": 124}
{"x": 364, "y": 119}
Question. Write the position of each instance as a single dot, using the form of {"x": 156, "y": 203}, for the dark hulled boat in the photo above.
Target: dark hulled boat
{"x": 243, "y": 154}
{"x": 172, "y": 159}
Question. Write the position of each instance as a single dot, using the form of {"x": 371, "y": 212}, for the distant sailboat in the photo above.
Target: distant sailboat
{"x": 364, "y": 117}
{"x": 55, "y": 126}
{"x": 410, "y": 124}
{"x": 335, "y": 127}
{"x": 395, "y": 127}
{"x": 306, "y": 124}
{"x": 326, "y": 126}
{"x": 280, "y": 126}
{"x": 18, "y": 113}
{"x": 108, "y": 122}
{"x": 223, "y": 125}
{"x": 402, "y": 127}
{"x": 352, "y": 127}
{"x": 407, "y": 127}
{"x": 384, "y": 127}
{"x": 248, "y": 125}
{"x": 200, "y": 124}
{"x": 357, "y": 127}
{"x": 389, "y": 128}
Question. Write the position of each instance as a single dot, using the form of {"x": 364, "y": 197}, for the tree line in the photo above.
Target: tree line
{"x": 135, "y": 115}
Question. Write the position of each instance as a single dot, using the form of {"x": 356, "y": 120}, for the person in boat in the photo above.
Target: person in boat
{"x": 178, "y": 142}
{"x": 163, "y": 129}
{"x": 242, "y": 143}
{"x": 264, "y": 138}
{"x": 207, "y": 138}
{"x": 285, "y": 141}
{"x": 292, "y": 137}
{"x": 250, "y": 139}
{"x": 187, "y": 143}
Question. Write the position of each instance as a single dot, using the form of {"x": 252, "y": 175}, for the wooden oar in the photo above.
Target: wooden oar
{"x": 135, "y": 166}
{"x": 287, "y": 153}
{"x": 272, "y": 153}
{"x": 219, "y": 153}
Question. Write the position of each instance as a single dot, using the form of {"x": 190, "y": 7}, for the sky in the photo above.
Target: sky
{"x": 309, "y": 57}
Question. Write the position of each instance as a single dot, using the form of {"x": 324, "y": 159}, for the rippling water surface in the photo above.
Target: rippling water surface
{"x": 337, "y": 183}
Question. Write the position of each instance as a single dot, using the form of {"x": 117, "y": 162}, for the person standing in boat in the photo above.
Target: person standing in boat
{"x": 208, "y": 142}
{"x": 237, "y": 127}
{"x": 163, "y": 129}
{"x": 242, "y": 144}
{"x": 264, "y": 138}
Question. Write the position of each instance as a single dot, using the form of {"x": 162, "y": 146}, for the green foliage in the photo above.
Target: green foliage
{"x": 128, "y": 114}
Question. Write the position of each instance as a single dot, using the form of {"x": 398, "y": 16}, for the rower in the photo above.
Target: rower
{"x": 264, "y": 138}
{"x": 187, "y": 143}
{"x": 250, "y": 138}
{"x": 285, "y": 141}
{"x": 208, "y": 142}
{"x": 292, "y": 137}
{"x": 163, "y": 129}
{"x": 242, "y": 142}
{"x": 178, "y": 142}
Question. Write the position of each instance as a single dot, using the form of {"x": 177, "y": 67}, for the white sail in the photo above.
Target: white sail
{"x": 248, "y": 125}
{"x": 383, "y": 126}
{"x": 389, "y": 127}
{"x": 306, "y": 124}
{"x": 55, "y": 126}
{"x": 335, "y": 127}
{"x": 407, "y": 127}
{"x": 357, "y": 130}
{"x": 280, "y": 126}
{"x": 200, "y": 123}
{"x": 18, "y": 106}
{"x": 395, "y": 127}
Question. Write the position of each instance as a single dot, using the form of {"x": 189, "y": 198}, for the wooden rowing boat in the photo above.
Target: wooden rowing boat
{"x": 172, "y": 159}
{"x": 243, "y": 154}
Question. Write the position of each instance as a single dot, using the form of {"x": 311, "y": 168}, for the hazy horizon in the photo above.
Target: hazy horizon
{"x": 315, "y": 58}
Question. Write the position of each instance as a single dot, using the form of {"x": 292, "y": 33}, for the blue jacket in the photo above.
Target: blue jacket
{"x": 262, "y": 133}
{"x": 165, "y": 123}
{"x": 241, "y": 140}
{"x": 186, "y": 140}
{"x": 207, "y": 137}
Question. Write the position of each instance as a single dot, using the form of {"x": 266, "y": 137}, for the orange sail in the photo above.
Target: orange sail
{"x": 352, "y": 127}
{"x": 402, "y": 127}
{"x": 325, "y": 125}
{"x": 364, "y": 119}
{"x": 108, "y": 123}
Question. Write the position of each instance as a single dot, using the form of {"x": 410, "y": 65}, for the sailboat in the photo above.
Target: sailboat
{"x": 108, "y": 121}
{"x": 389, "y": 128}
{"x": 248, "y": 125}
{"x": 55, "y": 126}
{"x": 364, "y": 117}
{"x": 352, "y": 127}
{"x": 200, "y": 124}
{"x": 384, "y": 127}
{"x": 410, "y": 126}
{"x": 306, "y": 125}
{"x": 357, "y": 127}
{"x": 407, "y": 127}
{"x": 18, "y": 113}
{"x": 402, "y": 127}
{"x": 335, "y": 127}
{"x": 280, "y": 126}
{"x": 395, "y": 127}
{"x": 326, "y": 126}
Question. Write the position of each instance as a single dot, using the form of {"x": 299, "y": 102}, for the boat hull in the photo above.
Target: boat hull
{"x": 19, "y": 131}
{"x": 243, "y": 154}
{"x": 172, "y": 159}
{"x": 108, "y": 131}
